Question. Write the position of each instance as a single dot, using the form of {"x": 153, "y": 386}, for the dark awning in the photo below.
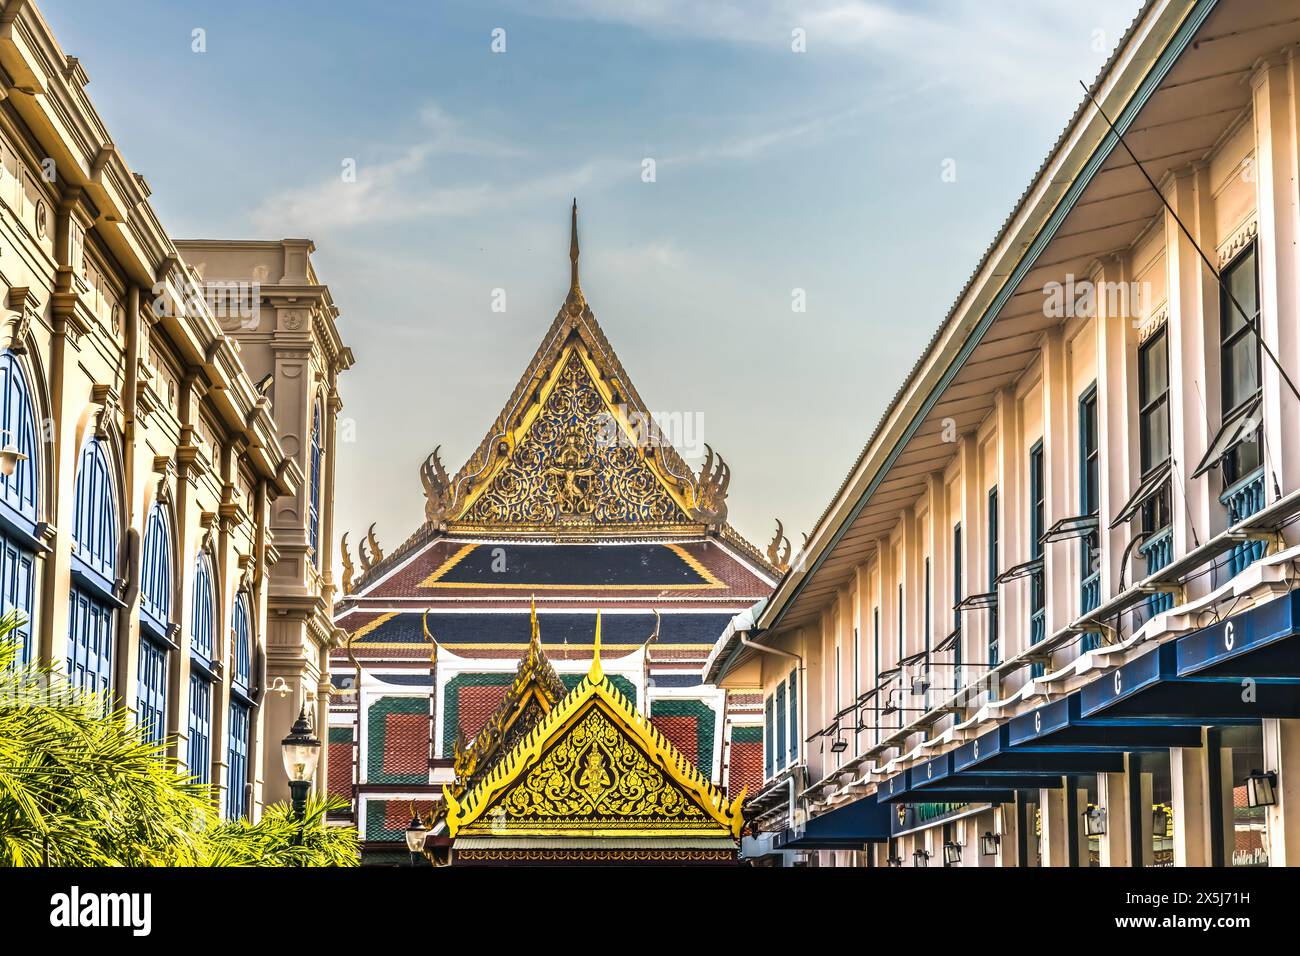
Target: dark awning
{"x": 1260, "y": 643}
{"x": 1075, "y": 527}
{"x": 1157, "y": 701}
{"x": 1150, "y": 688}
{"x": 845, "y": 827}
{"x": 1236, "y": 427}
{"x": 984, "y": 599}
{"x": 1148, "y": 489}
{"x": 1032, "y": 566}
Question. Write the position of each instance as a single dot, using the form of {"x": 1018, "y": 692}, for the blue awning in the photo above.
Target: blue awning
{"x": 933, "y": 781}
{"x": 1158, "y": 701}
{"x": 1258, "y": 644}
{"x": 845, "y": 827}
{"x": 1150, "y": 688}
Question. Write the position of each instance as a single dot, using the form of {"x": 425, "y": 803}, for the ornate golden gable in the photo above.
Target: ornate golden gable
{"x": 575, "y": 450}
{"x": 594, "y": 767}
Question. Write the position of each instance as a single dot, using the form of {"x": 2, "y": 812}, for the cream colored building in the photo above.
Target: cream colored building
{"x": 158, "y": 534}
{"x": 1050, "y": 618}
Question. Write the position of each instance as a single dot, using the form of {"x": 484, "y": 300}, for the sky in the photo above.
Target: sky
{"x": 779, "y": 200}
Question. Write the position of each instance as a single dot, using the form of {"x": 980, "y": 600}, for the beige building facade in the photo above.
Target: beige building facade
{"x": 1049, "y": 619}
{"x": 156, "y": 528}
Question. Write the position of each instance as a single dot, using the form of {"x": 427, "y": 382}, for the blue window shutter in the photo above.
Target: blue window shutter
{"x": 769, "y": 741}
{"x": 237, "y": 760}
{"x": 780, "y": 725}
{"x": 90, "y": 614}
{"x": 199, "y": 754}
{"x": 794, "y": 716}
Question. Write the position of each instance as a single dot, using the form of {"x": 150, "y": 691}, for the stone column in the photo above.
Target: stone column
{"x": 1116, "y": 436}
{"x": 1060, "y": 577}
{"x": 1192, "y": 293}
{"x": 1055, "y": 827}
{"x": 1112, "y": 795}
{"x": 1273, "y": 85}
{"x": 1282, "y": 755}
{"x": 1189, "y": 773}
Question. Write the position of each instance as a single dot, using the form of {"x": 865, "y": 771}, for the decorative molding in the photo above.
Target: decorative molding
{"x": 1154, "y": 322}
{"x": 1243, "y": 236}
{"x": 110, "y": 405}
{"x": 25, "y": 307}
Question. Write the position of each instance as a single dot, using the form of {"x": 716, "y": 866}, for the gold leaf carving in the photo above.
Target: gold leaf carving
{"x": 571, "y": 467}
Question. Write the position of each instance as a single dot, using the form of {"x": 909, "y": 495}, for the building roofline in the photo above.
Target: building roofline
{"x": 1153, "y": 41}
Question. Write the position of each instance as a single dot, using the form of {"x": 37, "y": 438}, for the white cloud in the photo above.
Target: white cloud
{"x": 1006, "y": 50}
{"x": 399, "y": 189}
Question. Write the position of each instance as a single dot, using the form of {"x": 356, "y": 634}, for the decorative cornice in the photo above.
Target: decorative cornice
{"x": 1243, "y": 236}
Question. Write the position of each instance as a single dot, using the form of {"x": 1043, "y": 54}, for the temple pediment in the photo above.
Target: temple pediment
{"x": 594, "y": 769}
{"x": 576, "y": 451}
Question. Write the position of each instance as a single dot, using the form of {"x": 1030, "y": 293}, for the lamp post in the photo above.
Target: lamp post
{"x": 1261, "y": 789}
{"x": 301, "y": 753}
{"x": 416, "y": 831}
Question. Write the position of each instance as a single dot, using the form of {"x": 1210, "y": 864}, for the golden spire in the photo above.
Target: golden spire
{"x": 575, "y": 301}
{"x": 535, "y": 639}
{"x": 596, "y": 674}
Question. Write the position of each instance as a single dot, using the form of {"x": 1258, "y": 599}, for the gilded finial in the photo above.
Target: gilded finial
{"x": 348, "y": 570}
{"x": 596, "y": 674}
{"x": 778, "y": 551}
{"x": 535, "y": 638}
{"x": 575, "y": 300}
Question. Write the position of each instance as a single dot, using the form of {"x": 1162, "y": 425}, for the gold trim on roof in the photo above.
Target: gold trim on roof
{"x": 710, "y": 582}
{"x": 594, "y": 766}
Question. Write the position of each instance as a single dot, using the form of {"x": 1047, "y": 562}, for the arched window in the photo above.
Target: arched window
{"x": 18, "y": 497}
{"x": 155, "y": 624}
{"x": 202, "y": 675}
{"x": 241, "y": 708}
{"x": 94, "y": 573}
{"x": 313, "y": 505}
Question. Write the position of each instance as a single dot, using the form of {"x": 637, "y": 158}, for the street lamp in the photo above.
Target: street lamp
{"x": 10, "y": 456}
{"x": 1094, "y": 821}
{"x": 416, "y": 831}
{"x": 989, "y": 843}
{"x": 1261, "y": 789}
{"x": 301, "y": 753}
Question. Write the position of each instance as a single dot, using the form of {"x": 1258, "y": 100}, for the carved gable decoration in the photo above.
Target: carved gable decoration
{"x": 575, "y": 460}
{"x": 595, "y": 776}
{"x": 593, "y": 767}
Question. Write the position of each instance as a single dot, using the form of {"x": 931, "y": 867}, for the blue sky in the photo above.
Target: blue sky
{"x": 775, "y": 170}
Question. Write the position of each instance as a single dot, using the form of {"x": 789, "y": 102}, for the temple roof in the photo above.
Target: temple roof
{"x": 593, "y": 767}
{"x": 574, "y": 454}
